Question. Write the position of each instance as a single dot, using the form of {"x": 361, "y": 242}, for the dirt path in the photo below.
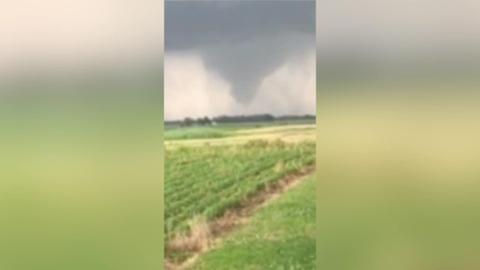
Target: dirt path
{"x": 207, "y": 235}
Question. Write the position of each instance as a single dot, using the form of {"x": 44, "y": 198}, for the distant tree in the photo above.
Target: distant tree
{"x": 207, "y": 121}
{"x": 204, "y": 121}
{"x": 188, "y": 121}
{"x": 244, "y": 118}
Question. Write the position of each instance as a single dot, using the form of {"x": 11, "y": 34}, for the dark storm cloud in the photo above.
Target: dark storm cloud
{"x": 243, "y": 41}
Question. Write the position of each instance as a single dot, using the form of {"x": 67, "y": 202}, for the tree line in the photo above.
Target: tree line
{"x": 223, "y": 119}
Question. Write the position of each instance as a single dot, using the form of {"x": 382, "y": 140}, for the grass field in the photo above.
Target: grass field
{"x": 240, "y": 134}
{"x": 280, "y": 236}
{"x": 206, "y": 177}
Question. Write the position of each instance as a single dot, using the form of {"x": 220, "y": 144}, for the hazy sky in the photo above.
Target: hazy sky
{"x": 239, "y": 57}
{"x": 62, "y": 35}
{"x": 230, "y": 56}
{"x": 399, "y": 29}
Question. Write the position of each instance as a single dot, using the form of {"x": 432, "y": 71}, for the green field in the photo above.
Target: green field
{"x": 240, "y": 133}
{"x": 204, "y": 178}
{"x": 280, "y": 236}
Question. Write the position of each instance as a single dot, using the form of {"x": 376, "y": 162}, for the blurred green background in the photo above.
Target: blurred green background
{"x": 81, "y": 124}
{"x": 397, "y": 177}
{"x": 81, "y": 181}
{"x": 398, "y": 126}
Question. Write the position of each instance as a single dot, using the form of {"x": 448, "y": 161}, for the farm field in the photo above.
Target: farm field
{"x": 240, "y": 133}
{"x": 205, "y": 178}
{"x": 284, "y": 231}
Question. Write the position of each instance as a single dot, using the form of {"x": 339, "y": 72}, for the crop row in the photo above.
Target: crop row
{"x": 208, "y": 180}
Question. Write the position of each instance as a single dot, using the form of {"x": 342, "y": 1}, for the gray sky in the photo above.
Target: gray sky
{"x": 239, "y": 57}
{"x": 399, "y": 30}
{"x": 257, "y": 53}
